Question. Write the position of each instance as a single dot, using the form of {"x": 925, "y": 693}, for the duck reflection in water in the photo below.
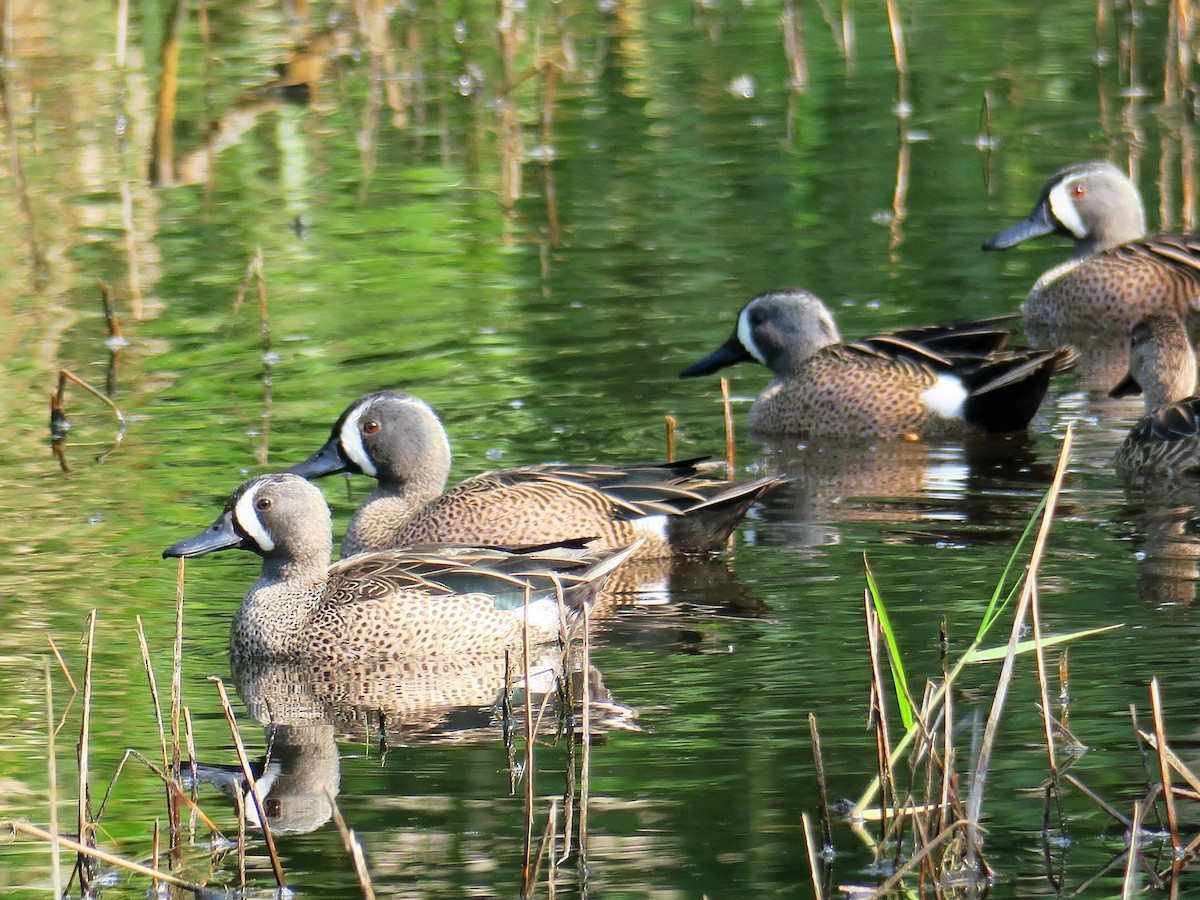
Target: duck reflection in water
{"x": 979, "y": 489}
{"x": 1166, "y": 542}
{"x": 306, "y": 709}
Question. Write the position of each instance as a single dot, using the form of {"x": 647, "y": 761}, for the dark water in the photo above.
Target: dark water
{"x": 678, "y": 175}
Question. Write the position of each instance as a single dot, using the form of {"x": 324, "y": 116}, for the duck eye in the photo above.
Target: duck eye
{"x": 262, "y": 503}
{"x": 370, "y": 426}
{"x": 1078, "y": 190}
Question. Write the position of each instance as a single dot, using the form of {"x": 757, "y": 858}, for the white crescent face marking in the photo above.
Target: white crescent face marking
{"x": 1064, "y": 210}
{"x": 946, "y": 397}
{"x": 746, "y": 335}
{"x": 351, "y": 441}
{"x": 246, "y": 516}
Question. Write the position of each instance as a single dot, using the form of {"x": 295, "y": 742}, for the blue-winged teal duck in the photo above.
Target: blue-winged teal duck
{"x": 1117, "y": 274}
{"x": 398, "y": 440}
{"x": 1162, "y": 367}
{"x": 391, "y": 603}
{"x": 922, "y": 382}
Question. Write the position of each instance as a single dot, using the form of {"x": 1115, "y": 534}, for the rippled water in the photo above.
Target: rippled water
{"x": 678, "y": 175}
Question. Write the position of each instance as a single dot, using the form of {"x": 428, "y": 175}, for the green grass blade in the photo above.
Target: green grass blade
{"x": 991, "y": 654}
{"x": 995, "y": 606}
{"x": 898, "y": 678}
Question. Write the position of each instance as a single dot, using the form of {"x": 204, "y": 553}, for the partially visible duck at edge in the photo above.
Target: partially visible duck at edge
{"x": 1162, "y": 368}
{"x": 398, "y": 440}
{"x": 400, "y": 603}
{"x": 935, "y": 381}
{"x": 1116, "y": 274}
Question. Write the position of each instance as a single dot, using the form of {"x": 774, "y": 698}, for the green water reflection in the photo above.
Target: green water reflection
{"x": 682, "y": 175}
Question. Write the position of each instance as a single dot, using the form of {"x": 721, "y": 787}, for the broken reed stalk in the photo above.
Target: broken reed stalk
{"x": 102, "y": 855}
{"x": 191, "y": 749}
{"x": 1043, "y": 684}
{"x": 176, "y": 701}
{"x": 728, "y": 410}
{"x": 52, "y": 782}
{"x": 671, "y": 425}
{"x": 878, "y": 714}
{"x": 154, "y": 856}
{"x": 244, "y": 761}
{"x": 170, "y": 785}
{"x": 62, "y": 666}
{"x": 83, "y": 752}
{"x": 822, "y": 792}
{"x": 917, "y": 858}
{"x": 65, "y": 375}
{"x": 110, "y": 314}
{"x": 353, "y": 847}
{"x": 1129, "y": 886}
{"x": 172, "y": 806}
{"x": 1164, "y": 767}
{"x": 814, "y": 866}
{"x": 979, "y": 775}
{"x": 585, "y": 755}
{"x": 526, "y": 872}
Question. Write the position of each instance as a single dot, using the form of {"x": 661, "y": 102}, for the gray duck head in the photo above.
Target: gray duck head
{"x": 779, "y": 329}
{"x": 1093, "y": 203}
{"x": 393, "y": 437}
{"x": 276, "y": 516}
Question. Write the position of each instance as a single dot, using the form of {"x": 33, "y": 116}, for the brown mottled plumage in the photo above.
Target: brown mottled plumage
{"x": 392, "y": 603}
{"x": 1162, "y": 366}
{"x": 398, "y": 440}
{"x": 1116, "y": 274}
{"x": 923, "y": 382}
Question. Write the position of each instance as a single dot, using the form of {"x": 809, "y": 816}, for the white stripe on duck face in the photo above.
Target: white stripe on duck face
{"x": 247, "y": 519}
{"x": 745, "y": 334}
{"x": 1064, "y": 209}
{"x": 946, "y": 397}
{"x": 352, "y": 444}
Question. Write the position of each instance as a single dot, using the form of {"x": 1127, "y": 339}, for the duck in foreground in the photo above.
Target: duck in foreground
{"x": 935, "y": 381}
{"x": 1116, "y": 274}
{"x": 1162, "y": 367}
{"x": 398, "y": 440}
{"x": 388, "y": 604}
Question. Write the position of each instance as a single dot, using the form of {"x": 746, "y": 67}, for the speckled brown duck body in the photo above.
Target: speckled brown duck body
{"x": 919, "y": 383}
{"x": 387, "y": 604}
{"x": 1117, "y": 274}
{"x": 1162, "y": 366}
{"x": 398, "y": 440}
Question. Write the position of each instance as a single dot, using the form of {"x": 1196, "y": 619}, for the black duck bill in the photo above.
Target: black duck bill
{"x": 1039, "y": 222}
{"x": 728, "y": 354}
{"x": 329, "y": 460}
{"x": 223, "y": 534}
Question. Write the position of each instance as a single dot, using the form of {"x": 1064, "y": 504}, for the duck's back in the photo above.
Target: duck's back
{"x": 847, "y": 392}
{"x": 1113, "y": 289}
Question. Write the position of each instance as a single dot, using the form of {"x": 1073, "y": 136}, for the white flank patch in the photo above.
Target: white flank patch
{"x": 544, "y": 614}
{"x": 247, "y": 517}
{"x": 352, "y": 445}
{"x": 1063, "y": 208}
{"x": 652, "y": 526}
{"x": 746, "y": 336}
{"x": 946, "y": 397}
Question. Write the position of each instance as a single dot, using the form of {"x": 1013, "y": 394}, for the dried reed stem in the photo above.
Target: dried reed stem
{"x": 354, "y": 847}
{"x": 810, "y": 847}
{"x": 1164, "y": 767}
{"x": 896, "y": 30}
{"x": 526, "y": 873}
{"x": 671, "y": 425}
{"x": 1043, "y": 683}
{"x": 104, "y": 856}
{"x": 84, "y": 811}
{"x": 162, "y": 736}
{"x": 1129, "y": 886}
{"x": 822, "y": 791}
{"x": 176, "y": 698}
{"x": 64, "y": 375}
{"x": 979, "y": 781}
{"x": 728, "y": 410}
{"x": 62, "y": 665}
{"x": 244, "y": 761}
{"x": 52, "y": 782}
{"x": 585, "y": 755}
